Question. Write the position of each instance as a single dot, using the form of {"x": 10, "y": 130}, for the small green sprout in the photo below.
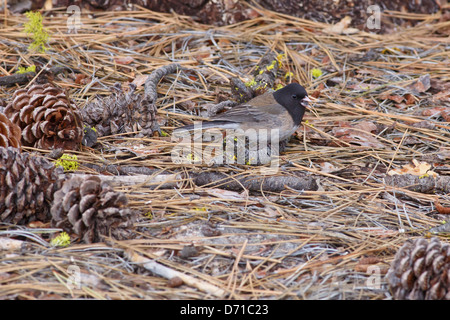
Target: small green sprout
{"x": 164, "y": 134}
{"x": 149, "y": 215}
{"x": 279, "y": 86}
{"x": 249, "y": 162}
{"x": 68, "y": 162}
{"x": 288, "y": 75}
{"x": 280, "y": 58}
{"x": 316, "y": 73}
{"x": 272, "y": 65}
{"x": 250, "y": 83}
{"x": 192, "y": 157}
{"x": 62, "y": 240}
{"x": 27, "y": 69}
{"x": 38, "y": 33}
{"x": 306, "y": 123}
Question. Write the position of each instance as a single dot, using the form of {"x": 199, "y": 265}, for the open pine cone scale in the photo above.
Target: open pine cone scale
{"x": 47, "y": 117}
{"x": 421, "y": 270}
{"x": 92, "y": 210}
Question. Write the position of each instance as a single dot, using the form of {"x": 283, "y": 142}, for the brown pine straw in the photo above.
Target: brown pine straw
{"x": 294, "y": 244}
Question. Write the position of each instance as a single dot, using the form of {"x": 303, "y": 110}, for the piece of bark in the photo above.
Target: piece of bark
{"x": 264, "y": 76}
{"x": 256, "y": 183}
{"x": 265, "y": 73}
{"x": 150, "y": 95}
{"x": 241, "y": 93}
{"x": 24, "y": 78}
{"x": 443, "y": 228}
{"x": 219, "y": 107}
{"x": 420, "y": 184}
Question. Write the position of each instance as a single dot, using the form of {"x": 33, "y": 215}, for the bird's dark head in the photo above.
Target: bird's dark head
{"x": 294, "y": 98}
{"x": 293, "y": 95}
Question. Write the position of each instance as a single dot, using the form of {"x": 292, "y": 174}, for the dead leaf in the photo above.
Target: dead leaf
{"x": 139, "y": 80}
{"x": 369, "y": 260}
{"x": 440, "y": 85}
{"x": 326, "y": 60}
{"x": 123, "y": 60}
{"x": 252, "y": 14}
{"x": 366, "y": 264}
{"x": 416, "y": 168}
{"x": 424, "y": 124}
{"x": 222, "y": 43}
{"x": 341, "y": 27}
{"x": 38, "y": 224}
{"x": 226, "y": 194}
{"x": 318, "y": 91}
{"x": 440, "y": 208}
{"x": 82, "y": 79}
{"x": 444, "y": 112}
{"x": 420, "y": 85}
{"x": 409, "y": 140}
{"x": 410, "y": 99}
{"x": 401, "y": 106}
{"x": 359, "y": 134}
{"x": 271, "y": 213}
{"x": 366, "y": 268}
{"x": 202, "y": 53}
{"x": 442, "y": 96}
{"x": 362, "y": 86}
{"x": 396, "y": 98}
{"x": 327, "y": 167}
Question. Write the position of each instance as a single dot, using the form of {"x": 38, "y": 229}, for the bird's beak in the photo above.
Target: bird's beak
{"x": 306, "y": 100}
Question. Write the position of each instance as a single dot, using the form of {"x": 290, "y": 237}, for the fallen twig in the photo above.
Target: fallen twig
{"x": 24, "y": 78}
{"x": 11, "y": 244}
{"x": 169, "y": 273}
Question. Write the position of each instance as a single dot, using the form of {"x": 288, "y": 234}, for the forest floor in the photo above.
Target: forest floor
{"x": 382, "y": 108}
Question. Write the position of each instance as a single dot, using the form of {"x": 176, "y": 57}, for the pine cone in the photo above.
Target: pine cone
{"x": 27, "y": 185}
{"x": 92, "y": 210}
{"x": 121, "y": 112}
{"x": 47, "y": 117}
{"x": 421, "y": 270}
{"x": 10, "y": 133}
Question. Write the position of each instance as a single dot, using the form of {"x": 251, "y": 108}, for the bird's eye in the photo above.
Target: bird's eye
{"x": 294, "y": 96}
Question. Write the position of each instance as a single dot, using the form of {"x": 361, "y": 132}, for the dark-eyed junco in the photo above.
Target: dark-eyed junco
{"x": 282, "y": 110}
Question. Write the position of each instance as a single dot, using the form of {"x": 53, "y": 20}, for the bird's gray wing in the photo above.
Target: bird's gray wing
{"x": 250, "y": 114}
